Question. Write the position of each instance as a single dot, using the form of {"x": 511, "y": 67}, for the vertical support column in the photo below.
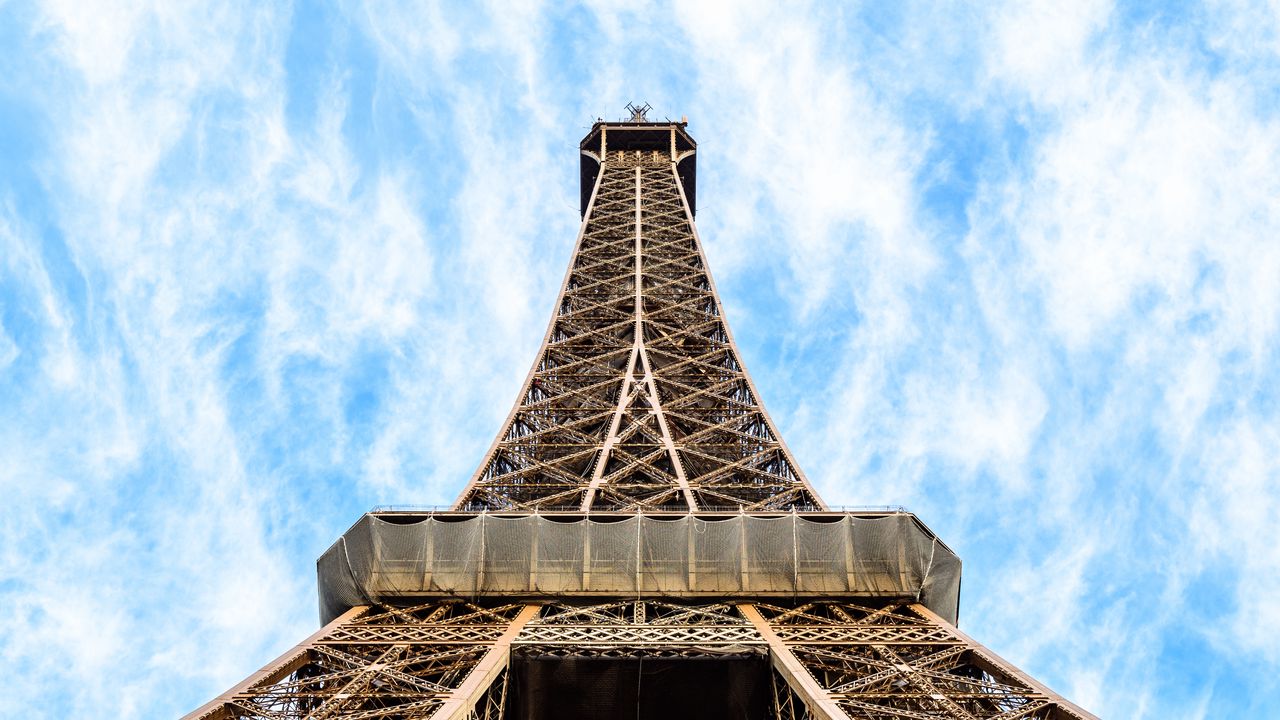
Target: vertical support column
{"x": 470, "y": 495}
{"x": 850, "y": 568}
{"x": 639, "y": 269}
{"x": 639, "y": 574}
{"x": 533, "y": 551}
{"x": 690, "y": 532}
{"x": 795, "y": 550}
{"x": 480, "y": 563}
{"x": 904, "y": 579}
{"x": 586, "y": 552}
{"x": 429, "y": 553}
{"x": 820, "y": 705}
{"x": 461, "y": 701}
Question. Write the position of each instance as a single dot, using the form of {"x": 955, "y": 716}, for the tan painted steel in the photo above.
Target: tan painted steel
{"x": 460, "y": 704}
{"x": 999, "y": 664}
{"x": 383, "y": 663}
{"x": 792, "y": 670}
{"x": 901, "y": 660}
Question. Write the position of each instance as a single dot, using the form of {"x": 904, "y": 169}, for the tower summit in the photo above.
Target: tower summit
{"x": 638, "y": 542}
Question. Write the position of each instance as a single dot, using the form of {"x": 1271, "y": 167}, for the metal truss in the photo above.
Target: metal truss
{"x": 898, "y": 661}
{"x": 831, "y": 660}
{"x": 787, "y": 705}
{"x": 492, "y": 704}
{"x": 638, "y": 628}
{"x": 443, "y": 659}
{"x": 638, "y": 399}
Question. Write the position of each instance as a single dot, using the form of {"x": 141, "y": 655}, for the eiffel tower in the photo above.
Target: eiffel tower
{"x": 639, "y": 542}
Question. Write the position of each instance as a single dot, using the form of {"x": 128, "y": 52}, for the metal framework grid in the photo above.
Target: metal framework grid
{"x": 831, "y": 659}
{"x": 638, "y": 398}
{"x": 638, "y": 401}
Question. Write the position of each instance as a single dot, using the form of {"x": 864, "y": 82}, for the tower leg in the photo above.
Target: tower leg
{"x": 274, "y": 671}
{"x": 896, "y": 660}
{"x": 437, "y": 660}
{"x": 819, "y": 704}
{"x": 996, "y": 665}
{"x": 462, "y": 703}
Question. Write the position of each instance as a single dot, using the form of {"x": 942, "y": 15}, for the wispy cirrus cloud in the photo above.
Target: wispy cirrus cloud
{"x": 1012, "y": 266}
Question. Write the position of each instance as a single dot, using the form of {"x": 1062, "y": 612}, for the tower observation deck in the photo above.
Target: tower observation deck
{"x": 638, "y": 541}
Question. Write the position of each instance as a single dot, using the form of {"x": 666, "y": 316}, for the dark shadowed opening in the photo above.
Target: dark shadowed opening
{"x": 733, "y": 687}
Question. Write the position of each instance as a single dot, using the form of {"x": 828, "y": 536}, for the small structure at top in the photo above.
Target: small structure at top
{"x": 638, "y": 112}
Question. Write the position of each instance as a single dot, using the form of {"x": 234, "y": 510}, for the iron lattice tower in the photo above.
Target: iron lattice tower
{"x": 638, "y": 541}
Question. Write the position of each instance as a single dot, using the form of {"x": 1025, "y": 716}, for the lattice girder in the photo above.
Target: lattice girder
{"x": 384, "y": 663}
{"x": 833, "y": 659}
{"x": 901, "y": 661}
{"x": 638, "y": 392}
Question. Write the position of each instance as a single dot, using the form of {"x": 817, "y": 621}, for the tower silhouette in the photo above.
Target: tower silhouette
{"x": 638, "y": 542}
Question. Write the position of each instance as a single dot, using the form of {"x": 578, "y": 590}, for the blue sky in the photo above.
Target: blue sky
{"x": 1013, "y": 265}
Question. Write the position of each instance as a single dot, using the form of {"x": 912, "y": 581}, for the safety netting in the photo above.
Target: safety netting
{"x": 385, "y": 558}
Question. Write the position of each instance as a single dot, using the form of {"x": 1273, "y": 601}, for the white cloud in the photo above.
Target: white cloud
{"x": 1070, "y": 380}
{"x": 1140, "y": 230}
{"x": 822, "y": 173}
{"x": 9, "y": 350}
{"x": 1040, "y": 46}
{"x": 1233, "y": 515}
{"x": 95, "y": 40}
{"x": 133, "y": 488}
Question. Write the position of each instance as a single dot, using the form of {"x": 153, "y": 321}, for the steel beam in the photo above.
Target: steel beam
{"x": 1002, "y": 666}
{"x": 273, "y": 671}
{"x": 815, "y": 698}
{"x": 461, "y": 702}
